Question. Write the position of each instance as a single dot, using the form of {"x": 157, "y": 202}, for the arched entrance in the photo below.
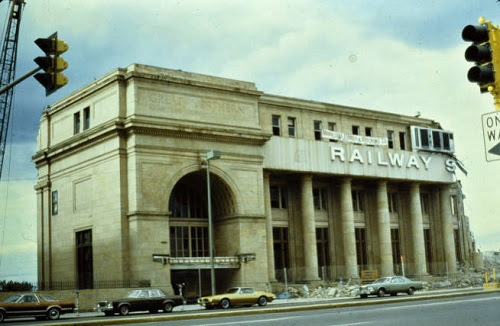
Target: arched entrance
{"x": 189, "y": 240}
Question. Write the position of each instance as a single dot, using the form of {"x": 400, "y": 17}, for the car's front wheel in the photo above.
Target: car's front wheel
{"x": 53, "y": 314}
{"x": 381, "y": 292}
{"x": 262, "y": 301}
{"x": 411, "y": 291}
{"x": 168, "y": 307}
{"x": 124, "y": 310}
{"x": 224, "y": 303}
{"x": 2, "y": 317}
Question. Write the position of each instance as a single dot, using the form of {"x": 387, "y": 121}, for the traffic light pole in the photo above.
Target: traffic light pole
{"x": 18, "y": 80}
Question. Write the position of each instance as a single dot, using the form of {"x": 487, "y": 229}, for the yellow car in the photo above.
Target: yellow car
{"x": 237, "y": 297}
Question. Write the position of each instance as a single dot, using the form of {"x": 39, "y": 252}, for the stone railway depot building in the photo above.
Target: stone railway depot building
{"x": 304, "y": 191}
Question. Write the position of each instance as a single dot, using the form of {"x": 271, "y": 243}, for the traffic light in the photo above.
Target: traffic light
{"x": 52, "y": 64}
{"x": 485, "y": 53}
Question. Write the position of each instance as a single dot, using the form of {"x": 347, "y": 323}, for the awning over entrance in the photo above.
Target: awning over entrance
{"x": 184, "y": 263}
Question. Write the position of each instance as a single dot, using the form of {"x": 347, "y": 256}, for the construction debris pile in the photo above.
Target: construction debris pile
{"x": 467, "y": 276}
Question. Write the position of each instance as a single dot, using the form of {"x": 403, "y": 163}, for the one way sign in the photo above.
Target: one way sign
{"x": 491, "y": 133}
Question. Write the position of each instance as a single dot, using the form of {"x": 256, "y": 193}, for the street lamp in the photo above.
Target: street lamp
{"x": 211, "y": 155}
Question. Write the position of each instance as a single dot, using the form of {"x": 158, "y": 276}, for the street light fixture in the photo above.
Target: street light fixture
{"x": 211, "y": 155}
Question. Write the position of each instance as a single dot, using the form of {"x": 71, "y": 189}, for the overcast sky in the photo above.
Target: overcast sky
{"x": 393, "y": 55}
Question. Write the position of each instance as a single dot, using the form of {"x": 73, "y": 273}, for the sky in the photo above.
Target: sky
{"x": 395, "y": 56}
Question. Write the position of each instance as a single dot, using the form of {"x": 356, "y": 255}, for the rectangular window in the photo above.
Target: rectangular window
{"x": 436, "y": 139}
{"x": 86, "y": 118}
{"x": 355, "y": 130}
{"x": 317, "y": 129}
{"x": 402, "y": 140}
{"x": 319, "y": 198}
{"x": 392, "y": 200}
{"x": 424, "y": 138}
{"x": 276, "y": 121}
{"x": 390, "y": 138}
{"x": 323, "y": 253}
{"x": 424, "y": 203}
{"x": 357, "y": 201}
{"x": 189, "y": 241}
{"x": 396, "y": 251}
{"x": 55, "y": 203}
{"x": 368, "y": 131}
{"x": 454, "y": 210}
{"x": 428, "y": 249}
{"x": 279, "y": 196}
{"x": 291, "y": 127}
{"x": 76, "y": 123}
{"x": 458, "y": 252}
{"x": 281, "y": 253}
{"x": 361, "y": 255}
{"x": 85, "y": 261}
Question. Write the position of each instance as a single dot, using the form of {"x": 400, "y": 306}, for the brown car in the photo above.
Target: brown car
{"x": 34, "y": 305}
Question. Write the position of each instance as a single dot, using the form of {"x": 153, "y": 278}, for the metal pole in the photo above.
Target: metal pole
{"x": 20, "y": 79}
{"x": 210, "y": 231}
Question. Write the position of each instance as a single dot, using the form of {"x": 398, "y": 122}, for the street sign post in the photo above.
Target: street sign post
{"x": 491, "y": 134}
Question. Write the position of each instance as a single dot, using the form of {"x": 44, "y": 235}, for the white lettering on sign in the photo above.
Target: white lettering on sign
{"x": 451, "y": 165}
{"x": 356, "y": 139}
{"x": 390, "y": 159}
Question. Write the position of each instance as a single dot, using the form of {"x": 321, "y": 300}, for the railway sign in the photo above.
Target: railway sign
{"x": 491, "y": 134}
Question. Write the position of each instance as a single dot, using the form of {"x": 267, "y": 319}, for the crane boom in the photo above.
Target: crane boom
{"x": 8, "y": 60}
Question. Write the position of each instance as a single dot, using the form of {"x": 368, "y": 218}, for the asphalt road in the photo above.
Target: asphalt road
{"x": 455, "y": 307}
{"x": 468, "y": 310}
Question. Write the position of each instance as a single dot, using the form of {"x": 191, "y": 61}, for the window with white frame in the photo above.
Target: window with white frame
{"x": 437, "y": 140}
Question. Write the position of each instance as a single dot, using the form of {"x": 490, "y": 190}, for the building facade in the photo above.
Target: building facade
{"x": 303, "y": 191}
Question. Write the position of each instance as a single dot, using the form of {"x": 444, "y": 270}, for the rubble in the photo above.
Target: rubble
{"x": 466, "y": 277}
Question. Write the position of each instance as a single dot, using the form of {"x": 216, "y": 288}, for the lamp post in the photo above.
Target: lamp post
{"x": 211, "y": 155}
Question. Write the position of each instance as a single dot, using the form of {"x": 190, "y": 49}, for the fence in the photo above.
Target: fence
{"x": 70, "y": 285}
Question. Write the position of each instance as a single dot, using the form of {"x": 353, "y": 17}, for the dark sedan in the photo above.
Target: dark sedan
{"x": 34, "y": 305}
{"x": 151, "y": 300}
{"x": 390, "y": 285}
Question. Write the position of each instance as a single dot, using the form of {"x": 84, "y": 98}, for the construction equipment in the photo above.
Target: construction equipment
{"x": 8, "y": 60}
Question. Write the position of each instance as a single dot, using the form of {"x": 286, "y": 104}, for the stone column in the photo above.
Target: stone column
{"x": 348, "y": 237}
{"x": 269, "y": 230}
{"x": 417, "y": 231}
{"x": 448, "y": 234}
{"x": 309, "y": 230}
{"x": 384, "y": 230}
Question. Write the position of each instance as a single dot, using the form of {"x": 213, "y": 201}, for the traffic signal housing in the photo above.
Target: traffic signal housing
{"x": 52, "y": 64}
{"x": 485, "y": 53}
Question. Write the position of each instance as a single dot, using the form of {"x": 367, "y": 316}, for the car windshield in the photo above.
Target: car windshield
{"x": 232, "y": 290}
{"x": 13, "y": 298}
{"x": 381, "y": 280}
{"x": 46, "y": 297}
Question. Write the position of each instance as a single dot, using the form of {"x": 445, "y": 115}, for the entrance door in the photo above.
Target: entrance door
{"x": 85, "y": 262}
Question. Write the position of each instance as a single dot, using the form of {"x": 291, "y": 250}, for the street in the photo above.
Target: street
{"x": 478, "y": 309}
{"x": 474, "y": 310}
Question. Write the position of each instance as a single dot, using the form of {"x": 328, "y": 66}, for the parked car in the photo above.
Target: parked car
{"x": 151, "y": 300}
{"x": 390, "y": 285}
{"x": 34, "y": 305}
{"x": 237, "y": 296}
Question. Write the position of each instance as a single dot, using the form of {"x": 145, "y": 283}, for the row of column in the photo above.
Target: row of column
{"x": 348, "y": 233}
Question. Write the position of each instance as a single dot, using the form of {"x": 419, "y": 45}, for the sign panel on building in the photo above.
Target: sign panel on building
{"x": 491, "y": 134}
